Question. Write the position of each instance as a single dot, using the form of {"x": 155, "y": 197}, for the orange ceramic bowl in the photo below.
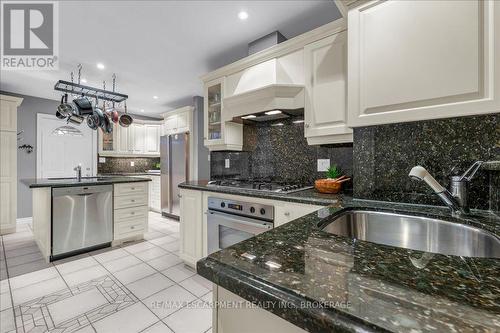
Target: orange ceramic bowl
{"x": 327, "y": 186}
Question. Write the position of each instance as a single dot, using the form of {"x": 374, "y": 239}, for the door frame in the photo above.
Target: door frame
{"x": 40, "y": 116}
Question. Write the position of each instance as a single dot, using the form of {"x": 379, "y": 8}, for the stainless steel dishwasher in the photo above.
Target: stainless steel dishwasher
{"x": 82, "y": 219}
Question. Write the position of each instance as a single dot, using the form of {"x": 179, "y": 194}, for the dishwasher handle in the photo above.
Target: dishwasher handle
{"x": 80, "y": 190}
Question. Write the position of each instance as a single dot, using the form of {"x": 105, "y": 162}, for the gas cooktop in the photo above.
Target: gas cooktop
{"x": 260, "y": 185}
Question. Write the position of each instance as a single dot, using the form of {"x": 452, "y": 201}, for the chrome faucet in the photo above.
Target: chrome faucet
{"x": 78, "y": 170}
{"x": 456, "y": 197}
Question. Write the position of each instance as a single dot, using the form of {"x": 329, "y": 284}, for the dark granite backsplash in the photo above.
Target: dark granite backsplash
{"x": 280, "y": 153}
{"x": 122, "y": 164}
{"x": 384, "y": 155}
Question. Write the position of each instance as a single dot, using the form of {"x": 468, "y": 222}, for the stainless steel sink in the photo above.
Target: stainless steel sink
{"x": 416, "y": 233}
{"x": 83, "y": 179}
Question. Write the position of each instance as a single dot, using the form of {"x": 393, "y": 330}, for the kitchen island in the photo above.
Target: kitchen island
{"x": 72, "y": 216}
{"x": 304, "y": 279}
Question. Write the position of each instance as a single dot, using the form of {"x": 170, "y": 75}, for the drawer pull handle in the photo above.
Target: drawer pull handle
{"x": 133, "y": 200}
{"x": 287, "y": 213}
{"x": 132, "y": 213}
{"x": 132, "y": 227}
{"x": 132, "y": 188}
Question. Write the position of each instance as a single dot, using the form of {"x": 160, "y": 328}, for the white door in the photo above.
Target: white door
{"x": 418, "y": 60}
{"x": 62, "y": 146}
{"x": 325, "y": 108}
{"x": 152, "y": 139}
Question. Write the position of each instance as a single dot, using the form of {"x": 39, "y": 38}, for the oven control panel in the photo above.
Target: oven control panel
{"x": 251, "y": 209}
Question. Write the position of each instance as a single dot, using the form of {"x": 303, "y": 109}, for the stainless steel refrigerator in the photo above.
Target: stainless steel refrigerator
{"x": 174, "y": 155}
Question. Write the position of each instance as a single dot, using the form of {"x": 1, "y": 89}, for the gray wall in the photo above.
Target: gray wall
{"x": 26, "y": 163}
{"x": 203, "y": 163}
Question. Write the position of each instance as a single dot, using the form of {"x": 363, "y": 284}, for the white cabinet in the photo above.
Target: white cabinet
{"x": 8, "y": 163}
{"x": 155, "y": 193}
{"x": 152, "y": 138}
{"x": 178, "y": 121}
{"x": 325, "y": 111}
{"x": 416, "y": 60}
{"x": 285, "y": 212}
{"x": 219, "y": 135}
{"x": 130, "y": 216}
{"x": 136, "y": 138}
{"x": 191, "y": 226}
{"x": 142, "y": 138}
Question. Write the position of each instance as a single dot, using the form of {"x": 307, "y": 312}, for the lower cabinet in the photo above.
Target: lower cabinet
{"x": 155, "y": 193}
{"x": 131, "y": 209}
{"x": 193, "y": 219}
{"x": 238, "y": 319}
{"x": 191, "y": 226}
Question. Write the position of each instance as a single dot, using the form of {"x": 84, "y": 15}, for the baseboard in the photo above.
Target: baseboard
{"x": 23, "y": 220}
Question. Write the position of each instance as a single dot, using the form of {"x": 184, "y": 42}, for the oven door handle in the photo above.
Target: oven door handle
{"x": 243, "y": 220}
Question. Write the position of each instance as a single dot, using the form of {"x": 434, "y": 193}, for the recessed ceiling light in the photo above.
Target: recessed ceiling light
{"x": 83, "y": 80}
{"x": 250, "y": 116}
{"x": 242, "y": 15}
{"x": 100, "y": 65}
{"x": 142, "y": 110}
{"x": 155, "y": 97}
{"x": 270, "y": 113}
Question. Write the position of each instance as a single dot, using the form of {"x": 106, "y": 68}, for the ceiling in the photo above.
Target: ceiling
{"x": 161, "y": 48}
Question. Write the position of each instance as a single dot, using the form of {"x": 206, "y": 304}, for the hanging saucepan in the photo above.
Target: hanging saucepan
{"x": 105, "y": 125}
{"x": 83, "y": 106}
{"x": 64, "y": 109}
{"x": 113, "y": 112}
{"x": 125, "y": 119}
{"x": 75, "y": 118}
{"x": 94, "y": 119}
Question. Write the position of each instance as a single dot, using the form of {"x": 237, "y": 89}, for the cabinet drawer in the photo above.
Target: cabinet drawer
{"x": 131, "y": 188}
{"x": 125, "y": 214}
{"x": 129, "y": 229}
{"x": 134, "y": 200}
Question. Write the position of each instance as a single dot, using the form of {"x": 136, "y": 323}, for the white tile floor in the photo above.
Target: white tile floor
{"x": 141, "y": 287}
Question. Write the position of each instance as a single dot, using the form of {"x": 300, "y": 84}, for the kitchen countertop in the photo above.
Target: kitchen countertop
{"x": 127, "y": 174}
{"x": 356, "y": 286}
{"x": 69, "y": 182}
{"x": 310, "y": 196}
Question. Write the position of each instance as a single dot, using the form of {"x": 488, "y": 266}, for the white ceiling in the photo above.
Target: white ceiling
{"x": 162, "y": 47}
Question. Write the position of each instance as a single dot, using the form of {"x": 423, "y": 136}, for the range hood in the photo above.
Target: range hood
{"x": 274, "y": 101}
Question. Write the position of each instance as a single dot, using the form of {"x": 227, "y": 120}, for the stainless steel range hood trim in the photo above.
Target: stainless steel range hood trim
{"x": 270, "y": 97}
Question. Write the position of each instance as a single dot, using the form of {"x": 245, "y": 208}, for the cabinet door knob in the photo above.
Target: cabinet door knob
{"x": 178, "y": 195}
{"x": 287, "y": 213}
{"x": 132, "y": 200}
{"x": 307, "y": 125}
{"x": 132, "y": 213}
{"x": 132, "y": 227}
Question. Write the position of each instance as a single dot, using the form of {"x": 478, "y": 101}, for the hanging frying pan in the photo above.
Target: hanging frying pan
{"x": 125, "y": 119}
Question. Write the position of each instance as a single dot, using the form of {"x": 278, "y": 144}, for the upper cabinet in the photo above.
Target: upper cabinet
{"x": 178, "y": 121}
{"x": 141, "y": 138}
{"x": 325, "y": 110}
{"x": 219, "y": 134}
{"x": 416, "y": 60}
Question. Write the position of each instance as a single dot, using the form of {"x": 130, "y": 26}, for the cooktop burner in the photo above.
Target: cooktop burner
{"x": 260, "y": 185}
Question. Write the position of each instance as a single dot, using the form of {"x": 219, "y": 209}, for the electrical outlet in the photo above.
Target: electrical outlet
{"x": 227, "y": 164}
{"x": 323, "y": 164}
{"x": 102, "y": 159}
{"x": 132, "y": 163}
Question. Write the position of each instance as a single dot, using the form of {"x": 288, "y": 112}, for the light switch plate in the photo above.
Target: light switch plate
{"x": 132, "y": 163}
{"x": 323, "y": 164}
{"x": 102, "y": 159}
{"x": 227, "y": 164}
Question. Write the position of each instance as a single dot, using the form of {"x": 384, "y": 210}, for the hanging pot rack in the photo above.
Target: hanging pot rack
{"x": 91, "y": 92}
{"x": 88, "y": 91}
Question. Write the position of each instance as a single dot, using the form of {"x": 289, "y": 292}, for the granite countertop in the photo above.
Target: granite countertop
{"x": 69, "y": 182}
{"x": 324, "y": 282}
{"x": 127, "y": 174}
{"x": 309, "y": 196}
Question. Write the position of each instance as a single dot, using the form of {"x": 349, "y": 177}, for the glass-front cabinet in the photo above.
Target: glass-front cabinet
{"x": 214, "y": 107}
{"x": 219, "y": 135}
